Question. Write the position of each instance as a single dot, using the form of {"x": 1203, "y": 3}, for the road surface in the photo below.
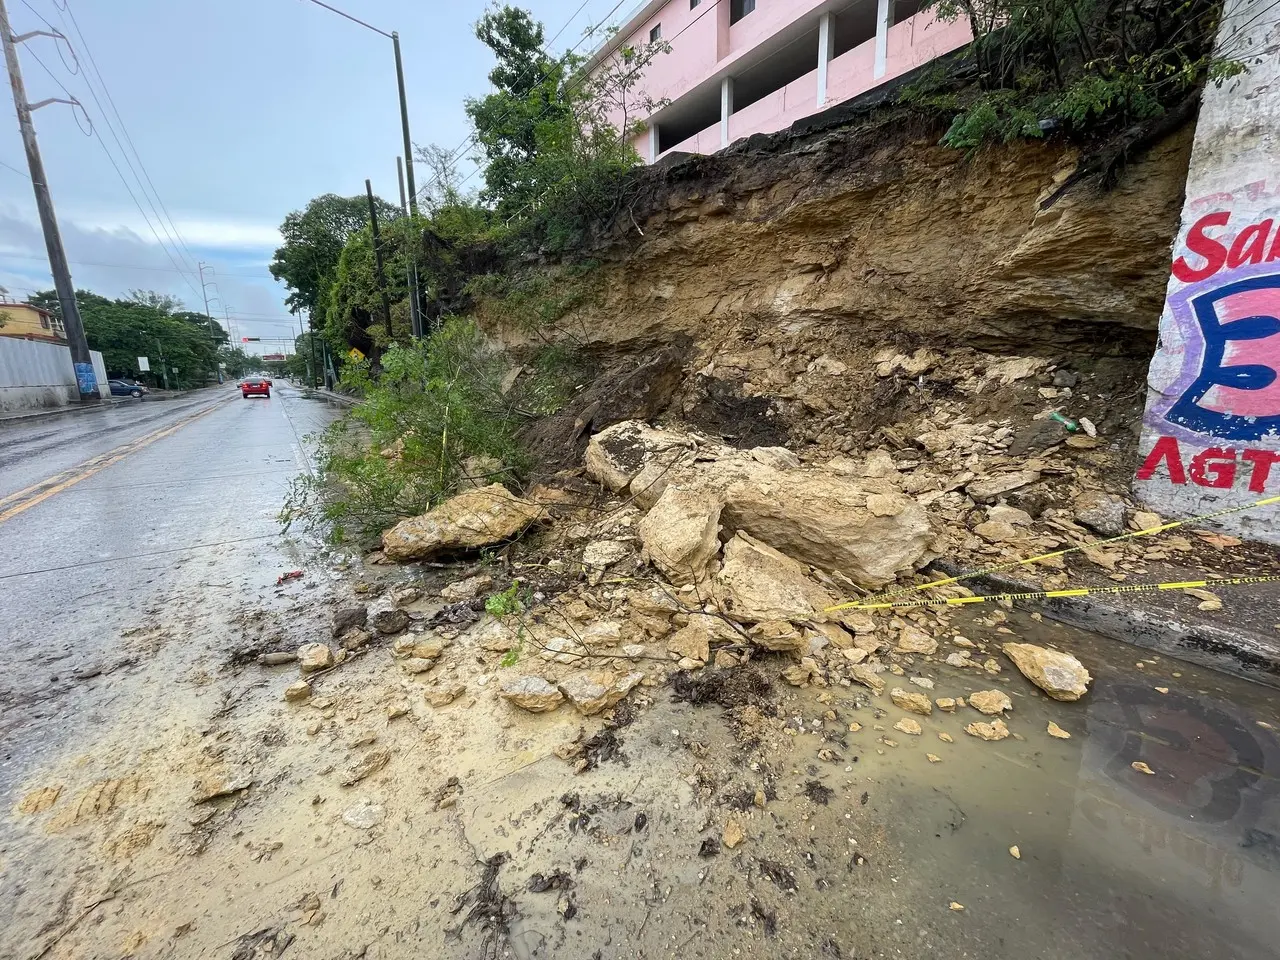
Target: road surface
{"x": 103, "y": 513}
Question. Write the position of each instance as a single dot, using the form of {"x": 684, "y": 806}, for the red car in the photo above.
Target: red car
{"x": 255, "y": 387}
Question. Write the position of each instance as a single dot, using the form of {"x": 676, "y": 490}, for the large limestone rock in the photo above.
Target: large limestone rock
{"x": 681, "y": 534}
{"x": 469, "y": 521}
{"x": 531, "y": 693}
{"x": 1058, "y": 674}
{"x": 757, "y": 583}
{"x": 614, "y": 456}
{"x": 592, "y": 692}
{"x": 1101, "y": 512}
{"x": 829, "y": 521}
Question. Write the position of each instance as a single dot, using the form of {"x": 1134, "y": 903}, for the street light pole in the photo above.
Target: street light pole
{"x": 404, "y": 127}
{"x": 86, "y": 380}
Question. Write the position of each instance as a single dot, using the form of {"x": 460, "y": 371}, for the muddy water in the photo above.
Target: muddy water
{"x": 1114, "y": 863}
{"x": 482, "y": 842}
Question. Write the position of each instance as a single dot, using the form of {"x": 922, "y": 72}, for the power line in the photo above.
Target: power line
{"x": 119, "y": 119}
{"x": 123, "y": 266}
{"x": 475, "y": 136}
{"x": 19, "y": 173}
{"x": 367, "y": 26}
{"x": 570, "y": 87}
{"x": 116, "y": 167}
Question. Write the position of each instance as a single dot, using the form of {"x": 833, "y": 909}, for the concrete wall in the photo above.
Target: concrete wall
{"x": 1211, "y": 435}
{"x": 35, "y": 375}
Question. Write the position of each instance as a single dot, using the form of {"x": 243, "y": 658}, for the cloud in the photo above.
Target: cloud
{"x": 221, "y": 234}
{"x": 113, "y": 259}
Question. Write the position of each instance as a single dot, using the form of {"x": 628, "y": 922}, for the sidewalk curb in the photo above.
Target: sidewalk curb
{"x": 1235, "y": 652}
{"x": 330, "y": 395}
{"x": 67, "y": 409}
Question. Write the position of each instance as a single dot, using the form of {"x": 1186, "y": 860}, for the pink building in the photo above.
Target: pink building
{"x": 739, "y": 67}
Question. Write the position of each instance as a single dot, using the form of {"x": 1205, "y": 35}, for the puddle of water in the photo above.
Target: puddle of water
{"x": 1114, "y": 862}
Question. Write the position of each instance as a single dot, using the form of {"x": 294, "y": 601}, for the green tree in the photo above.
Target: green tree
{"x": 307, "y": 261}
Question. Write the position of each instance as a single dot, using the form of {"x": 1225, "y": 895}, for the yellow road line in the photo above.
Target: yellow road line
{"x": 39, "y": 492}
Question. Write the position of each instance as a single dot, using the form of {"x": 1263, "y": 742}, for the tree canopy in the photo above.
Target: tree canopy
{"x": 151, "y": 325}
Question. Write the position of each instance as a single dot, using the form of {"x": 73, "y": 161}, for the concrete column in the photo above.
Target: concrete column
{"x": 653, "y": 142}
{"x": 722, "y": 30}
{"x": 826, "y": 51}
{"x": 884, "y": 10}
{"x": 726, "y": 109}
{"x": 1211, "y": 434}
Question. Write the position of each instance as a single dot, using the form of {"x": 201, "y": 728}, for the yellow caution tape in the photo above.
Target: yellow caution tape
{"x": 1173, "y": 525}
{"x": 1051, "y": 594}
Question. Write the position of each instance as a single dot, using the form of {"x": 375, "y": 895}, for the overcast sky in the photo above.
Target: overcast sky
{"x": 241, "y": 111}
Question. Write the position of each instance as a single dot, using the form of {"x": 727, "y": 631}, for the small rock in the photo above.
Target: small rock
{"x": 801, "y": 673}
{"x": 996, "y": 730}
{"x": 344, "y": 618}
{"x": 909, "y": 726}
{"x": 364, "y": 816}
{"x": 416, "y": 665}
{"x": 915, "y": 702}
{"x": 945, "y": 737}
{"x": 854, "y": 654}
{"x": 467, "y": 589}
{"x": 1162, "y": 689}
{"x": 914, "y": 640}
{"x": 390, "y": 621}
{"x": 957, "y": 907}
{"x": 1142, "y": 768}
{"x": 733, "y": 833}
{"x": 946, "y": 704}
{"x": 989, "y": 488}
{"x": 1015, "y": 852}
{"x": 1057, "y": 731}
{"x": 443, "y": 696}
{"x": 779, "y": 636}
{"x": 278, "y": 659}
{"x": 531, "y": 693}
{"x": 401, "y": 596}
{"x": 865, "y": 675}
{"x": 428, "y": 649}
{"x": 924, "y": 682}
{"x": 563, "y": 650}
{"x": 370, "y": 763}
{"x": 605, "y": 553}
{"x": 1065, "y": 378}
{"x": 855, "y": 727}
{"x": 633, "y": 651}
{"x": 215, "y": 787}
{"x": 1058, "y": 674}
{"x": 355, "y": 639}
{"x": 1103, "y": 513}
{"x": 990, "y": 702}
{"x": 1145, "y": 520}
{"x": 692, "y": 641}
{"x": 297, "y": 691}
{"x": 933, "y": 758}
{"x": 314, "y": 656}
{"x": 996, "y": 531}
{"x": 398, "y": 709}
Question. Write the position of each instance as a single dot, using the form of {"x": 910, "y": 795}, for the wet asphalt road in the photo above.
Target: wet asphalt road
{"x": 100, "y": 510}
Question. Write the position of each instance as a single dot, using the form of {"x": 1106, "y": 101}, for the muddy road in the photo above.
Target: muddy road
{"x": 162, "y": 800}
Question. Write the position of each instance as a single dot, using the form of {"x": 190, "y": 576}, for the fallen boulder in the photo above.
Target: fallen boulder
{"x": 531, "y": 693}
{"x": 314, "y": 656}
{"x": 1058, "y": 674}
{"x": 912, "y": 701}
{"x": 681, "y": 534}
{"x": 614, "y": 456}
{"x": 592, "y": 692}
{"x": 471, "y": 520}
{"x": 757, "y": 583}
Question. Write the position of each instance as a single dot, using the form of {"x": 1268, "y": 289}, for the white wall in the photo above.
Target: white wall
{"x": 1211, "y": 435}
{"x": 36, "y": 375}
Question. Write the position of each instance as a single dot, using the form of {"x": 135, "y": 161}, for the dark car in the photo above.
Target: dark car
{"x": 255, "y": 387}
{"x": 124, "y": 388}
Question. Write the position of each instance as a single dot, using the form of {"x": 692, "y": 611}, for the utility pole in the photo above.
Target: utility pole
{"x": 415, "y": 313}
{"x": 86, "y": 380}
{"x": 404, "y": 126}
{"x": 377, "y": 259}
{"x": 164, "y": 368}
{"x": 312, "y": 338}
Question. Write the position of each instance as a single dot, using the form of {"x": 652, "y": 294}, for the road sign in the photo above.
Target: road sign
{"x": 355, "y": 354}
{"x": 144, "y": 365}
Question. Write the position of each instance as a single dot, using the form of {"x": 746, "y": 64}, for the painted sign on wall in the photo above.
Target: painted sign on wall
{"x": 1211, "y": 434}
